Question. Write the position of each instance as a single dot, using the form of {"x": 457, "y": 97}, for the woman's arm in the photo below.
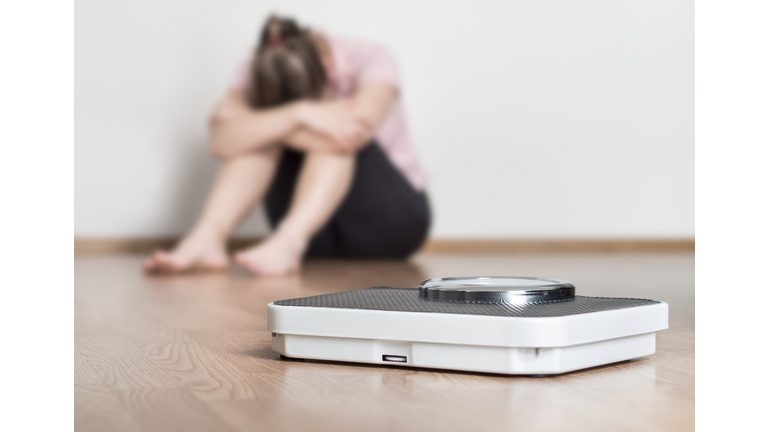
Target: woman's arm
{"x": 344, "y": 126}
{"x": 236, "y": 128}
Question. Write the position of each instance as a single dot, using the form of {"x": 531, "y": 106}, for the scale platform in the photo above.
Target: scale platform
{"x": 505, "y": 325}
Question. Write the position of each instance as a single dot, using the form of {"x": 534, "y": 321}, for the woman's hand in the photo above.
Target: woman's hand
{"x": 338, "y": 121}
{"x": 238, "y": 129}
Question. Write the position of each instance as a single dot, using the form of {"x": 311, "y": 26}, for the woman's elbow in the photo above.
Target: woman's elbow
{"x": 364, "y": 138}
{"x": 221, "y": 114}
{"x": 220, "y": 143}
{"x": 218, "y": 149}
{"x": 216, "y": 152}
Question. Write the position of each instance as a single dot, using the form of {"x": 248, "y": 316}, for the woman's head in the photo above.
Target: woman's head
{"x": 287, "y": 65}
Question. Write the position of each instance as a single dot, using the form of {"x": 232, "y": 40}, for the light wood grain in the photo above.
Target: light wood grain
{"x": 475, "y": 246}
{"x": 192, "y": 353}
{"x": 452, "y": 246}
{"x": 140, "y": 245}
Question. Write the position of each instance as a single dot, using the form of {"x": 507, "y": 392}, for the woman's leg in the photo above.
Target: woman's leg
{"x": 323, "y": 182}
{"x": 382, "y": 215}
{"x": 240, "y": 184}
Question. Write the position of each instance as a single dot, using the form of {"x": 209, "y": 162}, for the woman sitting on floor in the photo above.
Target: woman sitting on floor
{"x": 314, "y": 127}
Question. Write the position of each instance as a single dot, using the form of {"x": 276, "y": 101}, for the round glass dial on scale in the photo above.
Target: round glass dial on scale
{"x": 491, "y": 289}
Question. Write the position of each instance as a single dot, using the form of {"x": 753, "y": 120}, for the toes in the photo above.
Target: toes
{"x": 152, "y": 264}
{"x": 157, "y": 257}
{"x": 149, "y": 265}
{"x": 161, "y": 262}
{"x": 175, "y": 262}
{"x": 167, "y": 262}
{"x": 243, "y": 261}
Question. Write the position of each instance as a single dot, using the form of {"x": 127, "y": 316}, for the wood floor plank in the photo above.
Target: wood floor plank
{"x": 171, "y": 410}
{"x": 97, "y": 407}
{"x": 192, "y": 353}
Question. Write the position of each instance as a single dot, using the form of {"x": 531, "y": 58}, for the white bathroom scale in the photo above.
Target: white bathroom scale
{"x": 505, "y": 325}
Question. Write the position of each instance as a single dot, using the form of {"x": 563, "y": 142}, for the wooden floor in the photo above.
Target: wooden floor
{"x": 192, "y": 353}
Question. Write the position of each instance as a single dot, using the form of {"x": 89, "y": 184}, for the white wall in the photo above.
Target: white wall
{"x": 536, "y": 119}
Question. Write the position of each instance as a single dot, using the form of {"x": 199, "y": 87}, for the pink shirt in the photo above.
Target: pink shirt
{"x": 357, "y": 63}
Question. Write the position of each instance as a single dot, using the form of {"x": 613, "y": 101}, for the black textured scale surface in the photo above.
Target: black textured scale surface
{"x": 408, "y": 300}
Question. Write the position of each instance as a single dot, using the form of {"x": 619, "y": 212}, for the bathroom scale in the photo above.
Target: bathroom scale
{"x": 504, "y": 325}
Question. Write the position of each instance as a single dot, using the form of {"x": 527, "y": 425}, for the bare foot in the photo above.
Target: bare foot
{"x": 279, "y": 255}
{"x": 197, "y": 252}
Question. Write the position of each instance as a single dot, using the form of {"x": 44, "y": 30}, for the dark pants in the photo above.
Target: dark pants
{"x": 382, "y": 216}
